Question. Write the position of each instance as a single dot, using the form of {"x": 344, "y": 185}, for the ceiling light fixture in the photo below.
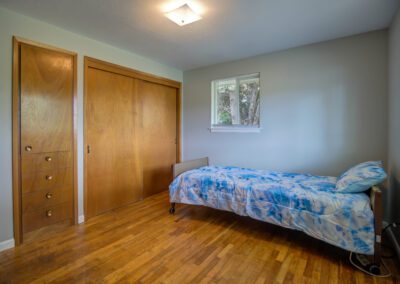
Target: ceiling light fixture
{"x": 183, "y": 15}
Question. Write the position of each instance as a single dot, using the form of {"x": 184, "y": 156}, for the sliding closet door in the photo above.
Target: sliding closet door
{"x": 113, "y": 170}
{"x": 159, "y": 135}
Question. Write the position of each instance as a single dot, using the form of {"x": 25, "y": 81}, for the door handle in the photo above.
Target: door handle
{"x": 88, "y": 149}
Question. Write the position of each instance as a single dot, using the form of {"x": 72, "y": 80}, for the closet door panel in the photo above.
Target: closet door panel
{"x": 113, "y": 170}
{"x": 158, "y": 135}
{"x": 46, "y": 90}
{"x": 46, "y": 100}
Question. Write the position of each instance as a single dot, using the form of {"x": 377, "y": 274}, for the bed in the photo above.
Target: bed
{"x": 301, "y": 202}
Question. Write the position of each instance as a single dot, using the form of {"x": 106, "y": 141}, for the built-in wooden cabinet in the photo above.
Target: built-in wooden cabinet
{"x": 43, "y": 124}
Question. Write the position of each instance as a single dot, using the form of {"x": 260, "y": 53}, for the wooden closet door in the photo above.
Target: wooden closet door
{"x": 46, "y": 86}
{"x": 113, "y": 170}
{"x": 159, "y": 134}
{"x": 46, "y": 100}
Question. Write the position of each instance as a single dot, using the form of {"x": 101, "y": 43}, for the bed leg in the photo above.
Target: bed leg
{"x": 376, "y": 195}
{"x": 172, "y": 209}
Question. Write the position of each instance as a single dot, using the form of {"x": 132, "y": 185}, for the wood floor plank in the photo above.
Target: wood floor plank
{"x": 142, "y": 243}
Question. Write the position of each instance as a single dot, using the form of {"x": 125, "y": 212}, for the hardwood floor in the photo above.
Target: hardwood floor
{"x": 143, "y": 243}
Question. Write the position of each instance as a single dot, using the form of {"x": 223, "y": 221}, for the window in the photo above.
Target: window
{"x": 236, "y": 104}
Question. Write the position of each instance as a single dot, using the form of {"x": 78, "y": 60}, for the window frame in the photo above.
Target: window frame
{"x": 234, "y": 127}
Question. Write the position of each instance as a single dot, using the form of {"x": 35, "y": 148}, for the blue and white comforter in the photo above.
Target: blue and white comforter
{"x": 298, "y": 201}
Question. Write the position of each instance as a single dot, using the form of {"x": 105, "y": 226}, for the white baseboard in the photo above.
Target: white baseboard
{"x": 81, "y": 219}
{"x": 7, "y": 244}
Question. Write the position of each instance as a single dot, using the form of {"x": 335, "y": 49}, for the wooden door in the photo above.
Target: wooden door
{"x": 46, "y": 100}
{"x": 113, "y": 170}
{"x": 45, "y": 96}
{"x": 158, "y": 135}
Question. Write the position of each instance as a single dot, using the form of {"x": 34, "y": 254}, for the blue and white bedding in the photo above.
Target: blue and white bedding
{"x": 302, "y": 202}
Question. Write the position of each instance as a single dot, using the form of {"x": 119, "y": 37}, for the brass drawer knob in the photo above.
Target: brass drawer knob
{"x": 49, "y": 177}
{"x": 48, "y": 159}
{"x": 49, "y": 195}
{"x": 49, "y": 213}
{"x": 28, "y": 148}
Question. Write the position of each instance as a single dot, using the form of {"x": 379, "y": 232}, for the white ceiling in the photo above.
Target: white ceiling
{"x": 229, "y": 30}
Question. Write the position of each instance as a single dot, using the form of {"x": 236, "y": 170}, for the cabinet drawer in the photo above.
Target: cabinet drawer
{"x": 46, "y": 180}
{"x": 45, "y": 198}
{"x": 46, "y": 216}
{"x": 45, "y": 161}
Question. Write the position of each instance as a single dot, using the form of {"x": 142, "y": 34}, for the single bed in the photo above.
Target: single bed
{"x": 302, "y": 202}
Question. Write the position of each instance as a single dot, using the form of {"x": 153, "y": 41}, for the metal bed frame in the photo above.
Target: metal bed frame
{"x": 374, "y": 193}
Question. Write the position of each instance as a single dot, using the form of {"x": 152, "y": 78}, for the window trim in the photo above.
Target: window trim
{"x": 233, "y": 127}
{"x": 238, "y": 129}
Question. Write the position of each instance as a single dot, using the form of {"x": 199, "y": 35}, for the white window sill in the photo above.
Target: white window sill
{"x": 236, "y": 129}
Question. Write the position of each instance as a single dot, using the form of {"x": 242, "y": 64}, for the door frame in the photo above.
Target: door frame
{"x": 94, "y": 63}
{"x": 16, "y": 132}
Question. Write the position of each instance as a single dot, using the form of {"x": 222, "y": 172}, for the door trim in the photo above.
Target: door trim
{"x": 90, "y": 62}
{"x": 16, "y": 134}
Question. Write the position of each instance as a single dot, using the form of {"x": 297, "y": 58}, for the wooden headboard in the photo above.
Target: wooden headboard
{"x": 179, "y": 168}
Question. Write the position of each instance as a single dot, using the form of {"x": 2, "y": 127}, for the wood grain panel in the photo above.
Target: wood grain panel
{"x": 160, "y": 174}
{"x": 45, "y": 180}
{"x": 112, "y": 165}
{"x": 45, "y": 198}
{"x": 122, "y": 70}
{"x": 44, "y": 127}
{"x": 46, "y": 161}
{"x": 158, "y": 135}
{"x": 46, "y": 216}
{"x": 46, "y": 100}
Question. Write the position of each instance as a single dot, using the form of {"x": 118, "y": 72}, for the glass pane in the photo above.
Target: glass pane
{"x": 249, "y": 101}
{"x": 225, "y": 101}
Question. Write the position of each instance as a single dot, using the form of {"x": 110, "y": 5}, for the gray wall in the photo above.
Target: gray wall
{"x": 394, "y": 119}
{"x": 324, "y": 108}
{"x": 15, "y": 24}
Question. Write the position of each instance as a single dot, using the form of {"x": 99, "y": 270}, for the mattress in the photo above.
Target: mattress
{"x": 303, "y": 202}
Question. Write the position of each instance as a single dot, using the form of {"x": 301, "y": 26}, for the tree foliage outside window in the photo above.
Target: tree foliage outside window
{"x": 236, "y": 102}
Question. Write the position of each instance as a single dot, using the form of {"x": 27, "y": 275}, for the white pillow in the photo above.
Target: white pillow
{"x": 361, "y": 177}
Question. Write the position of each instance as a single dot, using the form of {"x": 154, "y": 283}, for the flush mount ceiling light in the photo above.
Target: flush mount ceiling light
{"x": 183, "y": 15}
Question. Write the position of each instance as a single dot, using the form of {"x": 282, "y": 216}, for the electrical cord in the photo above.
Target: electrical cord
{"x": 388, "y": 274}
{"x": 394, "y": 225}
